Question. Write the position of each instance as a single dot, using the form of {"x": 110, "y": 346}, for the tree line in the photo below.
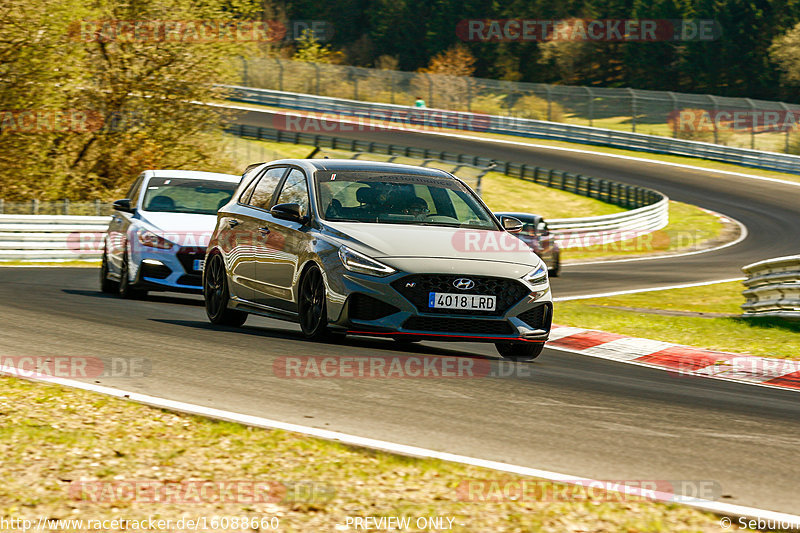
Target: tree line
{"x": 748, "y": 57}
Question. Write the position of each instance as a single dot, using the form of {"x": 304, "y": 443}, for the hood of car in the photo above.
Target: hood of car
{"x": 179, "y": 221}
{"x": 182, "y": 228}
{"x": 435, "y": 242}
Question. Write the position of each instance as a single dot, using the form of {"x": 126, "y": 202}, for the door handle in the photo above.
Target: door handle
{"x": 265, "y": 230}
{"x": 233, "y": 223}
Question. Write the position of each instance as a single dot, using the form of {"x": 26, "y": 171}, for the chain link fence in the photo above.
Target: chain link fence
{"x": 59, "y": 207}
{"x": 736, "y": 122}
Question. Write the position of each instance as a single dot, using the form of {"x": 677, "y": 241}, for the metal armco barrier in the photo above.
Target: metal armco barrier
{"x": 51, "y": 237}
{"x": 439, "y": 118}
{"x": 773, "y": 288}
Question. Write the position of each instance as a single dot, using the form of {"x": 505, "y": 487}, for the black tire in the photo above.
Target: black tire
{"x": 556, "y": 270}
{"x": 217, "y": 295}
{"x": 519, "y": 351}
{"x": 125, "y": 288}
{"x": 107, "y": 286}
{"x": 311, "y": 305}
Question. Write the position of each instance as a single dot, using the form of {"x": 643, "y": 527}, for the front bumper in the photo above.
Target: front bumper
{"x": 170, "y": 270}
{"x": 392, "y": 306}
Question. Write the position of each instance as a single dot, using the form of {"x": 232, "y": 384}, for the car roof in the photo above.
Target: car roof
{"x": 194, "y": 175}
{"x": 344, "y": 165}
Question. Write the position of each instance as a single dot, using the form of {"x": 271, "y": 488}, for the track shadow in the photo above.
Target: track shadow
{"x": 355, "y": 341}
{"x": 169, "y": 298}
{"x": 769, "y": 322}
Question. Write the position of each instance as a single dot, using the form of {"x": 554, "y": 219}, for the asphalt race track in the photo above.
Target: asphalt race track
{"x": 567, "y": 413}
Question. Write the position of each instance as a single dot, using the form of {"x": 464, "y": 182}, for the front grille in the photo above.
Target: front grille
{"x": 539, "y": 317}
{"x": 363, "y": 307}
{"x": 473, "y": 326}
{"x": 187, "y": 255}
{"x": 189, "y": 279}
{"x": 416, "y": 287}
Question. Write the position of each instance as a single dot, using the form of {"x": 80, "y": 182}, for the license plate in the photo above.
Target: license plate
{"x": 199, "y": 264}
{"x": 472, "y": 302}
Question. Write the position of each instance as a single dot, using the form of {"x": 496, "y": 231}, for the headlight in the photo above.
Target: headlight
{"x": 356, "y": 262}
{"x": 148, "y": 238}
{"x": 538, "y": 276}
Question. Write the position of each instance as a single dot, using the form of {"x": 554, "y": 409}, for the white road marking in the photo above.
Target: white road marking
{"x": 649, "y": 289}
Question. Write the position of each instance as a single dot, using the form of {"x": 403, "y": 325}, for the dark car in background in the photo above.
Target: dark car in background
{"x": 536, "y": 234}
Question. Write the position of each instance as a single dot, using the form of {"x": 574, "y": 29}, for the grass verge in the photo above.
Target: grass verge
{"x": 81, "y": 264}
{"x": 58, "y": 445}
{"x": 690, "y": 229}
{"x": 694, "y": 316}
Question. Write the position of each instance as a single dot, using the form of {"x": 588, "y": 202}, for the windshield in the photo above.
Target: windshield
{"x": 389, "y": 198}
{"x": 175, "y": 195}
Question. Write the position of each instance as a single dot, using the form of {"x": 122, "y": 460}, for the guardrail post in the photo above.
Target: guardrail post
{"x": 35, "y": 206}
{"x": 752, "y": 123}
{"x": 548, "y": 90}
{"x": 97, "y": 205}
{"x": 2, "y": 206}
{"x": 674, "y": 113}
{"x": 316, "y": 77}
{"x": 716, "y": 114}
{"x": 280, "y": 74}
{"x": 786, "y": 139}
{"x": 591, "y": 105}
{"x": 66, "y": 206}
{"x": 633, "y": 110}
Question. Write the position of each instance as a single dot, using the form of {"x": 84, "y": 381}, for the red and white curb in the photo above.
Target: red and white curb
{"x": 683, "y": 360}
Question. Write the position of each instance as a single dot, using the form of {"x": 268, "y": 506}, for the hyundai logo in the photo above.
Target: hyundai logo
{"x": 463, "y": 284}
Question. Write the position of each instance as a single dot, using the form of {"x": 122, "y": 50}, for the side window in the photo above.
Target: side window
{"x": 295, "y": 190}
{"x": 265, "y": 188}
{"x": 136, "y": 188}
{"x": 249, "y": 180}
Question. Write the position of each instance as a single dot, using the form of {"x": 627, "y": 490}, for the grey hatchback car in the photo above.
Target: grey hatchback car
{"x": 381, "y": 249}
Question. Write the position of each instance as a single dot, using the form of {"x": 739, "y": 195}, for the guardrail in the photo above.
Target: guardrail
{"x": 773, "y": 288}
{"x": 648, "y": 210}
{"x": 540, "y": 129}
{"x": 51, "y": 237}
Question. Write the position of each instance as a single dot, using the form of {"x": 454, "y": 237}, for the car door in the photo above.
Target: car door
{"x": 118, "y": 227}
{"x": 244, "y": 233}
{"x": 278, "y": 262}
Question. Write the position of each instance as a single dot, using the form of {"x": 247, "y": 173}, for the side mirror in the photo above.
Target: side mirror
{"x": 291, "y": 212}
{"x": 511, "y": 224}
{"x": 123, "y": 205}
